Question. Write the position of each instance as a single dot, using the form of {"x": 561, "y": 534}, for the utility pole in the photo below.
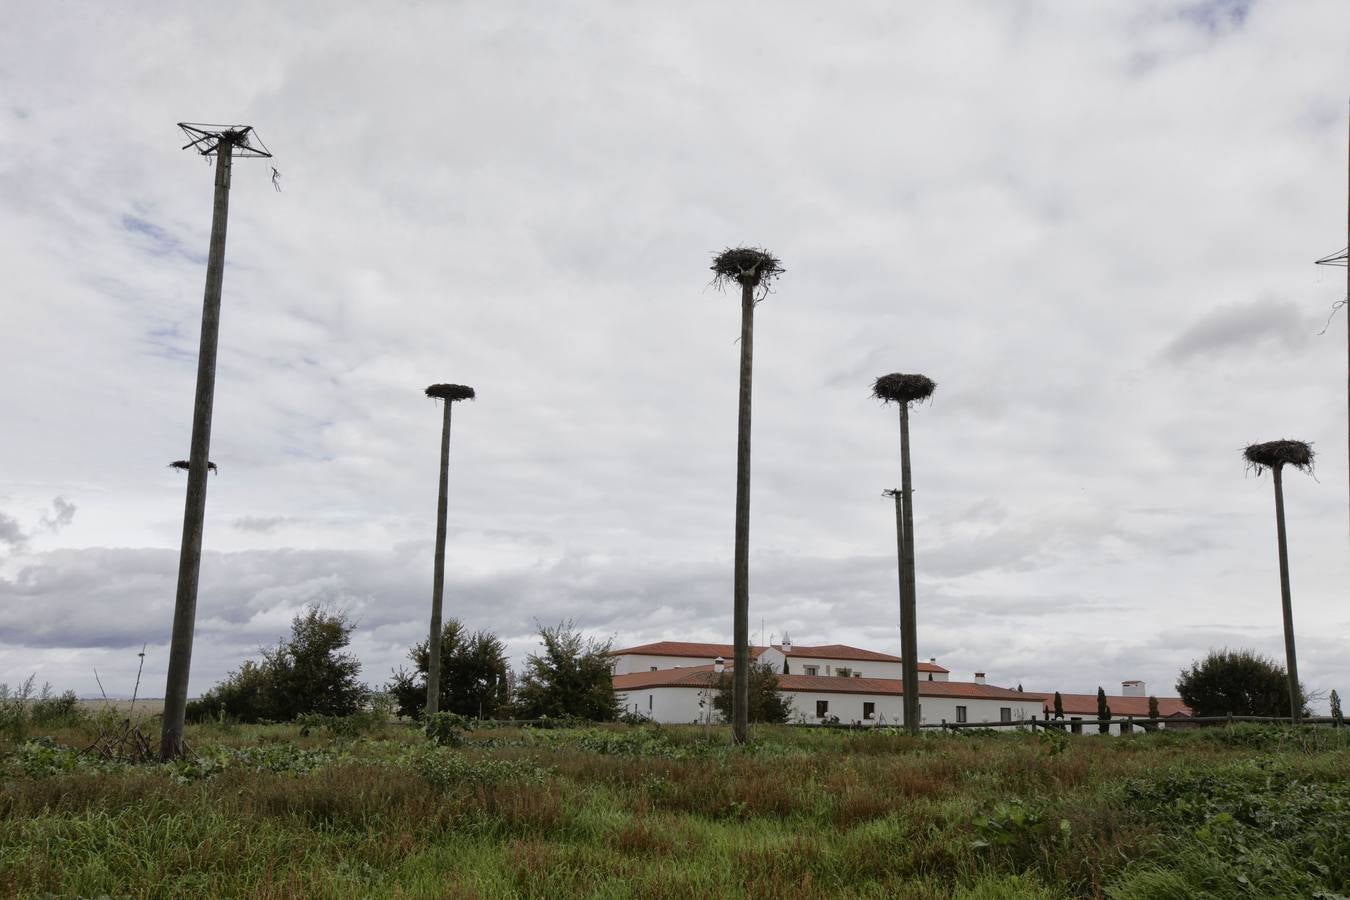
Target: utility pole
{"x": 753, "y": 269}
{"x": 224, "y": 143}
{"x": 1275, "y": 455}
{"x": 450, "y": 394}
{"x": 902, "y": 390}
{"x": 1343, "y": 259}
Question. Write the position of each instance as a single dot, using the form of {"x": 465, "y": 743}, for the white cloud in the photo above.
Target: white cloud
{"x": 1029, "y": 203}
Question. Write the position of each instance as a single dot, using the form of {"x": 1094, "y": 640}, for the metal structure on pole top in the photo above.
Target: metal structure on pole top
{"x": 1335, "y": 259}
{"x": 206, "y": 139}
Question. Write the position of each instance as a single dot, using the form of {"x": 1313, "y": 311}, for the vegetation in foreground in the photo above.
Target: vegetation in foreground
{"x": 370, "y": 807}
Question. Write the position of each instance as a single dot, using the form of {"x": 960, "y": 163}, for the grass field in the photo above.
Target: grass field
{"x": 665, "y": 812}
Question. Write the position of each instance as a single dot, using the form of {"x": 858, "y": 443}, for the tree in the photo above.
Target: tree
{"x": 305, "y": 674}
{"x": 1153, "y": 713}
{"x": 572, "y": 677}
{"x": 767, "y": 702}
{"x": 1236, "y": 683}
{"x": 754, "y": 270}
{"x": 1275, "y": 455}
{"x": 450, "y": 394}
{"x": 1103, "y": 713}
{"x": 473, "y": 672}
{"x": 1059, "y": 706}
{"x": 903, "y": 390}
{"x": 1336, "y": 707}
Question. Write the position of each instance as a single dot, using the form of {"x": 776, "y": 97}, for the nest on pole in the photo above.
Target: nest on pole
{"x": 450, "y": 393}
{"x": 183, "y": 465}
{"x": 752, "y": 266}
{"x": 1276, "y": 454}
{"x": 900, "y": 388}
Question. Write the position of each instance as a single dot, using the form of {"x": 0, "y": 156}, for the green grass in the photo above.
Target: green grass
{"x": 280, "y": 811}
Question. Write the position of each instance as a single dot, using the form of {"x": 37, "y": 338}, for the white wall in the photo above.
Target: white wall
{"x": 868, "y": 668}
{"x": 889, "y": 708}
{"x": 671, "y": 705}
{"x": 645, "y": 662}
{"x": 679, "y": 705}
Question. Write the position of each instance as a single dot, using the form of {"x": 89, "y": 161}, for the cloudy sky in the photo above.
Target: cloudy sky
{"x": 1093, "y": 224}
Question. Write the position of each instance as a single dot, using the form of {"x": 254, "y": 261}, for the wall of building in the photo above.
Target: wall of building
{"x": 671, "y": 705}
{"x": 680, "y": 705}
{"x": 868, "y": 668}
{"x": 889, "y": 708}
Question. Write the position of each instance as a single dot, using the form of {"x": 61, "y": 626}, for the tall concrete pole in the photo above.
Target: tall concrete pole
{"x": 909, "y": 640}
{"x": 194, "y": 512}
{"x": 1290, "y": 656}
{"x": 438, "y": 574}
{"x": 740, "y": 675}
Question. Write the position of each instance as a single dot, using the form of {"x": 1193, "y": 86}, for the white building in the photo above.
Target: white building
{"x": 673, "y": 681}
{"x": 832, "y": 660}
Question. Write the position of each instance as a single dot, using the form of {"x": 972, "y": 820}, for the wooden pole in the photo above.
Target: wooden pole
{"x": 1291, "y": 657}
{"x": 740, "y": 674}
{"x": 438, "y": 573}
{"x": 194, "y": 511}
{"x": 909, "y": 639}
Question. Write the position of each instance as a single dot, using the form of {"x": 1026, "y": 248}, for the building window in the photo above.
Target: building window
{"x": 930, "y": 676}
{"x": 843, "y": 672}
{"x": 649, "y": 703}
{"x": 1076, "y": 724}
{"x": 811, "y": 670}
{"x": 960, "y": 714}
{"x": 869, "y": 710}
{"x": 1005, "y": 714}
{"x": 654, "y": 669}
{"x": 822, "y": 708}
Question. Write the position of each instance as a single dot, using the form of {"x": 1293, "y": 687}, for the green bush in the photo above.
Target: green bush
{"x": 446, "y": 728}
{"x": 305, "y": 674}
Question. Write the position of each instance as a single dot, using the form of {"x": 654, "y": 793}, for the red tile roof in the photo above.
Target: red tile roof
{"x": 1086, "y": 705}
{"x": 727, "y": 651}
{"x": 685, "y": 648}
{"x": 702, "y": 676}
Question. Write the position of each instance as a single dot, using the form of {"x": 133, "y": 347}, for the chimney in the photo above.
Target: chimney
{"x": 933, "y": 660}
{"x": 1132, "y": 689}
{"x": 719, "y": 665}
{"x": 787, "y": 644}
{"x": 979, "y": 678}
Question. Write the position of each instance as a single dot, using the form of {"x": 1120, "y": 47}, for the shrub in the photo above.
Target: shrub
{"x": 447, "y": 728}
{"x": 1237, "y": 683}
{"x": 767, "y": 702}
{"x": 572, "y": 677}
{"x": 305, "y": 674}
{"x": 474, "y": 675}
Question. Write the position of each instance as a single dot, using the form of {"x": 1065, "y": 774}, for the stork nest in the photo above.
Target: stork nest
{"x": 898, "y": 388}
{"x": 746, "y": 265}
{"x": 1276, "y": 454}
{"x": 450, "y": 392}
{"x": 184, "y": 465}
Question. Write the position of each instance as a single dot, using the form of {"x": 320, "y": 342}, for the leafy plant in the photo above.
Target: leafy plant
{"x": 572, "y": 677}
{"x": 767, "y": 702}
{"x": 1237, "y": 683}
{"x": 305, "y": 674}
{"x": 446, "y": 728}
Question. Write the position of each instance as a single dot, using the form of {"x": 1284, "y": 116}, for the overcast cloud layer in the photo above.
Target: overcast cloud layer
{"x": 1092, "y": 224}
